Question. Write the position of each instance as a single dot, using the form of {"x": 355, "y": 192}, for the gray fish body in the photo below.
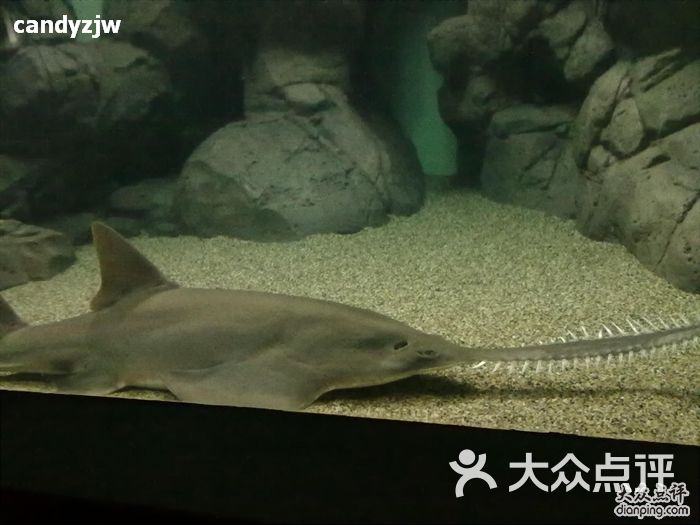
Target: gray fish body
{"x": 248, "y": 348}
{"x": 181, "y": 339}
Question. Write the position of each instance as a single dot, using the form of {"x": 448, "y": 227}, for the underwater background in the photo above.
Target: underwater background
{"x": 455, "y": 165}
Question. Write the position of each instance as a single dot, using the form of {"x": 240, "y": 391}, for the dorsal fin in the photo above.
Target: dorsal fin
{"x": 122, "y": 267}
{"x": 9, "y": 320}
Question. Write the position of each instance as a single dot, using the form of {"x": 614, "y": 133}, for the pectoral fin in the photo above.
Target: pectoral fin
{"x": 261, "y": 382}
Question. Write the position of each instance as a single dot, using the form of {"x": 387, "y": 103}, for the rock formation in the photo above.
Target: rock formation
{"x": 29, "y": 253}
{"x": 570, "y": 108}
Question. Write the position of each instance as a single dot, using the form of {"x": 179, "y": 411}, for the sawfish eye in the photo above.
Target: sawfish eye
{"x": 428, "y": 354}
{"x": 400, "y": 345}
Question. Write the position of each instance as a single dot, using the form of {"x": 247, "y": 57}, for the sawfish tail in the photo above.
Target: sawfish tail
{"x": 9, "y": 320}
{"x": 638, "y": 337}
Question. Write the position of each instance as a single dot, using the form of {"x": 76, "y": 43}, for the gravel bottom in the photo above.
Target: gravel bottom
{"x": 474, "y": 271}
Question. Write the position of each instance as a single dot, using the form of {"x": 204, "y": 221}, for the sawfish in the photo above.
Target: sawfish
{"x": 251, "y": 348}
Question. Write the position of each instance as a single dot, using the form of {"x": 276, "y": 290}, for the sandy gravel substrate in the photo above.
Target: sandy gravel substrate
{"x": 469, "y": 269}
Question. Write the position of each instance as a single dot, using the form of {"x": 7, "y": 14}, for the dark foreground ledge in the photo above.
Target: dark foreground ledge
{"x": 128, "y": 459}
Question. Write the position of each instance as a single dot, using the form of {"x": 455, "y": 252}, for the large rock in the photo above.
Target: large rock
{"x": 301, "y": 43}
{"x": 628, "y": 166}
{"x": 669, "y": 103}
{"x": 490, "y": 29}
{"x": 202, "y": 46}
{"x": 71, "y": 114}
{"x": 635, "y": 101}
{"x": 48, "y": 91}
{"x": 149, "y": 203}
{"x": 169, "y": 31}
{"x": 133, "y": 85}
{"x": 648, "y": 202}
{"x": 17, "y": 179}
{"x": 680, "y": 263}
{"x": 503, "y": 53}
{"x": 31, "y": 253}
{"x": 636, "y": 142}
{"x": 625, "y": 132}
{"x": 283, "y": 176}
{"x": 527, "y": 160}
{"x": 577, "y": 39}
{"x": 527, "y": 118}
{"x": 76, "y": 227}
{"x": 33, "y": 189}
{"x": 73, "y": 91}
{"x": 596, "y": 111}
{"x": 469, "y": 50}
{"x": 563, "y": 28}
{"x": 474, "y": 105}
{"x": 590, "y": 54}
{"x": 150, "y": 196}
{"x": 279, "y": 68}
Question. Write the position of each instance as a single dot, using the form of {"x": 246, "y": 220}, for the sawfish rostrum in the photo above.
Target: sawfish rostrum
{"x": 247, "y": 348}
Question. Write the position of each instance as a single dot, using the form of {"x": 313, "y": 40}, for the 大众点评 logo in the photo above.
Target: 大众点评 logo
{"x": 613, "y": 474}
